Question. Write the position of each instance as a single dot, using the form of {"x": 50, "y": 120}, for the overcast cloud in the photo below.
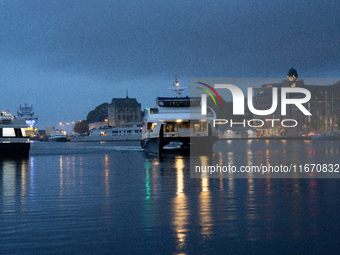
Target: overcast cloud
{"x": 67, "y": 57}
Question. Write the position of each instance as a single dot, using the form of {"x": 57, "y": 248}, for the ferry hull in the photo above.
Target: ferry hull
{"x": 14, "y": 150}
{"x": 58, "y": 139}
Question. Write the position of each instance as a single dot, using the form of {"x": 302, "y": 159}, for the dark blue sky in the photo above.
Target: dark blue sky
{"x": 67, "y": 57}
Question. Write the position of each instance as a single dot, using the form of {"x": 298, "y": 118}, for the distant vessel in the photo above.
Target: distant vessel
{"x": 177, "y": 124}
{"x": 13, "y": 140}
{"x": 57, "y": 136}
{"x": 126, "y": 132}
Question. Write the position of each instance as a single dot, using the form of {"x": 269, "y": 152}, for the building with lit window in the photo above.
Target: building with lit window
{"x": 324, "y": 106}
{"x": 122, "y": 110}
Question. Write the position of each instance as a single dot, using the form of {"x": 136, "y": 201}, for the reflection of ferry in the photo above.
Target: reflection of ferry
{"x": 126, "y": 132}
{"x": 57, "y": 136}
{"x": 13, "y": 140}
{"x": 177, "y": 124}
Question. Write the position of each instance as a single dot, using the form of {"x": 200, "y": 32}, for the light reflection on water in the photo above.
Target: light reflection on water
{"x": 112, "y": 202}
{"x": 180, "y": 210}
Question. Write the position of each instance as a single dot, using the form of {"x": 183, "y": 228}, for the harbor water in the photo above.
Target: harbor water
{"x": 112, "y": 198}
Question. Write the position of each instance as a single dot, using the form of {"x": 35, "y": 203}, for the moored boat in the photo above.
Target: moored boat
{"x": 176, "y": 123}
{"x": 130, "y": 131}
{"x": 13, "y": 140}
{"x": 57, "y": 136}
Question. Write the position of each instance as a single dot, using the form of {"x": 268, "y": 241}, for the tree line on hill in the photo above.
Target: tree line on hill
{"x": 99, "y": 114}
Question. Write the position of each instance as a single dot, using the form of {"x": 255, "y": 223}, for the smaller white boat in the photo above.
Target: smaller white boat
{"x": 173, "y": 146}
{"x": 57, "y": 136}
{"x": 130, "y": 131}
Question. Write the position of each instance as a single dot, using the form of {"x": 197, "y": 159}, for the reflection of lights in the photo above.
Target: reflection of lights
{"x": 32, "y": 174}
{"x": 205, "y": 201}
{"x": 230, "y": 158}
{"x": 23, "y": 182}
{"x": 180, "y": 207}
{"x": 252, "y": 211}
{"x": 61, "y": 175}
{"x": 8, "y": 190}
{"x": 180, "y": 182}
{"x": 205, "y": 208}
{"x": 147, "y": 180}
{"x": 81, "y": 169}
{"x": 106, "y": 180}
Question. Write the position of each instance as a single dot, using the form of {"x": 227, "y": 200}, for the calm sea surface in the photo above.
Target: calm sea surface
{"x": 112, "y": 198}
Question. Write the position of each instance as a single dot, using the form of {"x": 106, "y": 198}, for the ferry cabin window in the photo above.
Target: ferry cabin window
{"x": 202, "y": 127}
{"x": 103, "y": 133}
{"x": 179, "y": 103}
{"x": 23, "y": 132}
{"x": 8, "y": 132}
{"x": 151, "y": 126}
{"x": 171, "y": 128}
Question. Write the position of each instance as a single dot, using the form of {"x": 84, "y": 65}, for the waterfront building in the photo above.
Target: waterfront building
{"x": 122, "y": 110}
{"x": 322, "y": 97}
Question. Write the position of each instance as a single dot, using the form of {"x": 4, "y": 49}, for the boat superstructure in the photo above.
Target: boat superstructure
{"x": 13, "y": 140}
{"x": 57, "y": 136}
{"x": 129, "y": 131}
{"x": 176, "y": 123}
{"x": 26, "y": 112}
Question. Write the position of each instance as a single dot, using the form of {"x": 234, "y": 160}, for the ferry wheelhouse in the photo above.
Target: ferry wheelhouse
{"x": 176, "y": 123}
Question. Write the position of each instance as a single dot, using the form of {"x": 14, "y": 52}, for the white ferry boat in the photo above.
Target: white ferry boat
{"x": 176, "y": 123}
{"x": 57, "y": 136}
{"x": 13, "y": 140}
{"x": 130, "y": 131}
